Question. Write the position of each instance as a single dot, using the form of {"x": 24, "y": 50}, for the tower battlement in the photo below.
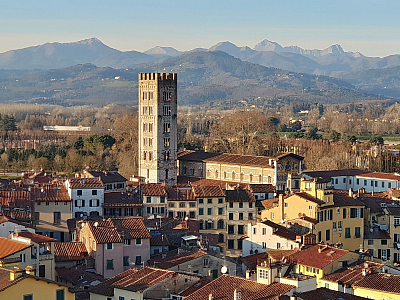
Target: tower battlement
{"x": 159, "y": 76}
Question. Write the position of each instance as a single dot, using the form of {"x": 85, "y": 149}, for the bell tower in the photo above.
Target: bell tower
{"x": 158, "y": 127}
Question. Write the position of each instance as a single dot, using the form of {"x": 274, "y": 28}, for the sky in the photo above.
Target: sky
{"x": 370, "y": 27}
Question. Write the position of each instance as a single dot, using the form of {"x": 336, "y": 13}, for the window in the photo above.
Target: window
{"x": 94, "y": 192}
{"x": 344, "y": 213}
{"x": 151, "y": 95}
{"x": 264, "y": 245}
{"x": 127, "y": 241}
{"x": 370, "y": 242}
{"x": 254, "y": 230}
{"x": 240, "y": 244}
{"x": 328, "y": 214}
{"x": 138, "y": 241}
{"x": 210, "y": 224}
{"x": 201, "y": 211}
{"x": 383, "y": 184}
{"x": 201, "y": 201}
{"x": 56, "y": 203}
{"x": 233, "y": 175}
{"x": 241, "y": 205}
{"x": 79, "y": 192}
{"x": 109, "y": 246}
{"x": 192, "y": 214}
{"x": 358, "y": 181}
{"x": 240, "y": 229}
{"x": 167, "y": 127}
{"x": 250, "y": 216}
{"x": 47, "y": 203}
{"x": 150, "y": 155}
{"x": 263, "y": 274}
{"x": 365, "y": 182}
{"x": 148, "y": 200}
{"x": 336, "y": 180}
{"x": 389, "y": 185}
{"x": 230, "y": 216}
{"x": 264, "y": 231}
{"x": 150, "y": 110}
{"x": 240, "y": 216}
{"x": 150, "y": 127}
{"x": 60, "y": 295}
{"x": 167, "y": 110}
{"x": 57, "y": 217}
{"x": 230, "y": 204}
{"x": 376, "y": 183}
{"x": 272, "y": 216}
{"x": 220, "y": 210}
{"x": 150, "y": 142}
{"x": 121, "y": 298}
{"x": 209, "y": 201}
{"x": 182, "y": 204}
{"x": 162, "y": 199}
{"x": 167, "y": 142}
{"x": 383, "y": 242}
{"x": 192, "y": 204}
{"x": 357, "y": 233}
{"x": 28, "y": 297}
{"x": 327, "y": 235}
{"x": 347, "y": 233}
{"x": 231, "y": 229}
{"x": 94, "y": 203}
{"x": 110, "y": 264}
{"x": 138, "y": 260}
{"x": 220, "y": 201}
{"x": 220, "y": 224}
{"x": 144, "y": 95}
{"x": 209, "y": 211}
{"x": 231, "y": 244}
{"x": 356, "y": 212}
{"x": 334, "y": 226}
{"x": 372, "y": 183}
{"x": 144, "y": 127}
{"x": 126, "y": 261}
{"x": 278, "y": 245}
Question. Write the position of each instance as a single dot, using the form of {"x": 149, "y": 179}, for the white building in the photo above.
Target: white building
{"x": 267, "y": 235}
{"x": 8, "y": 226}
{"x": 87, "y": 195}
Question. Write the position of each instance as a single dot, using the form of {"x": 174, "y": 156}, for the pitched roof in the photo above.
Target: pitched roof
{"x": 173, "y": 258}
{"x": 104, "y": 232}
{"x": 280, "y": 230}
{"x": 54, "y": 192}
{"x": 308, "y": 197}
{"x": 131, "y": 227}
{"x": 34, "y": 237}
{"x": 208, "y": 191}
{"x": 243, "y": 160}
{"x": 180, "y": 194}
{"x": 223, "y": 288}
{"x": 352, "y": 273}
{"x": 393, "y": 210}
{"x": 85, "y": 183}
{"x": 154, "y": 189}
{"x": 289, "y": 154}
{"x": 342, "y": 198}
{"x": 375, "y": 233}
{"x": 78, "y": 275}
{"x": 132, "y": 280}
{"x": 380, "y": 282}
{"x": 70, "y": 251}
{"x": 384, "y": 176}
{"x": 334, "y": 173}
{"x": 324, "y": 293}
{"x": 318, "y": 256}
{"x": 239, "y": 195}
{"x": 112, "y": 199}
{"x": 277, "y": 254}
{"x": 8, "y": 247}
{"x": 262, "y": 188}
{"x": 108, "y": 176}
{"x": 159, "y": 240}
{"x": 198, "y": 156}
{"x": 270, "y": 203}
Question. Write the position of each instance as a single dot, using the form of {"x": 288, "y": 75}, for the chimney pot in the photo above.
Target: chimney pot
{"x": 237, "y": 294}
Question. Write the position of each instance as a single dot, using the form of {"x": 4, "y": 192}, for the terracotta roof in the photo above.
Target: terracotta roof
{"x": 251, "y": 260}
{"x": 17, "y": 215}
{"x": 375, "y": 234}
{"x": 222, "y": 184}
{"x": 352, "y": 273}
{"x": 173, "y": 258}
{"x": 78, "y": 275}
{"x": 159, "y": 240}
{"x": 395, "y": 193}
{"x": 324, "y": 293}
{"x": 132, "y": 280}
{"x": 374, "y": 203}
{"x": 270, "y": 203}
{"x": 278, "y": 254}
{"x": 289, "y": 154}
{"x": 104, "y": 232}
{"x": 223, "y": 288}
{"x": 190, "y": 290}
{"x": 131, "y": 227}
{"x": 85, "y": 183}
{"x": 5, "y": 281}
{"x": 342, "y": 198}
{"x": 311, "y": 256}
{"x": 244, "y": 160}
{"x": 108, "y": 176}
{"x": 154, "y": 189}
{"x": 113, "y": 199}
{"x": 50, "y": 193}
{"x": 34, "y": 237}
{"x": 180, "y": 194}
{"x": 8, "y": 247}
{"x": 262, "y": 188}
{"x": 201, "y": 191}
{"x": 334, "y": 173}
{"x": 385, "y": 176}
{"x": 199, "y": 156}
{"x": 281, "y": 231}
{"x": 70, "y": 251}
{"x": 380, "y": 282}
{"x": 4, "y": 219}
{"x": 393, "y": 210}
{"x": 239, "y": 195}
{"x": 308, "y": 197}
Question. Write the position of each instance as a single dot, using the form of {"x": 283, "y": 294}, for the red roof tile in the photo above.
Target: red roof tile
{"x": 8, "y": 247}
{"x": 270, "y": 203}
{"x": 244, "y": 160}
{"x": 34, "y": 237}
{"x": 201, "y": 191}
{"x": 70, "y": 251}
{"x": 239, "y": 195}
{"x": 324, "y": 293}
{"x": 385, "y": 176}
{"x": 173, "y": 258}
{"x": 50, "y": 193}
{"x": 380, "y": 282}
{"x": 308, "y": 197}
{"x": 190, "y": 155}
{"x": 85, "y": 183}
{"x": 280, "y": 230}
{"x": 262, "y": 188}
{"x": 154, "y": 189}
{"x": 104, "y": 232}
{"x": 131, "y": 227}
{"x": 223, "y": 288}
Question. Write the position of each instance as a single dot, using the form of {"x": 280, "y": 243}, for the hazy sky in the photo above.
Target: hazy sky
{"x": 371, "y": 27}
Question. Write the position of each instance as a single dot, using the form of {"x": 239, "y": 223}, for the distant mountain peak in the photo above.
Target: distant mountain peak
{"x": 89, "y": 41}
{"x": 266, "y": 45}
{"x": 158, "y": 50}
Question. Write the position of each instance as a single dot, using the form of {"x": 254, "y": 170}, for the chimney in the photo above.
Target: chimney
{"x": 293, "y": 297}
{"x": 282, "y": 206}
{"x": 351, "y": 192}
{"x": 361, "y": 191}
{"x": 29, "y": 270}
{"x": 15, "y": 273}
{"x": 237, "y": 294}
{"x": 247, "y": 274}
{"x": 364, "y": 272}
{"x": 210, "y": 297}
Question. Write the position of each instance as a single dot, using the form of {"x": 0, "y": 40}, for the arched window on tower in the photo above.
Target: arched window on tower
{"x": 251, "y": 177}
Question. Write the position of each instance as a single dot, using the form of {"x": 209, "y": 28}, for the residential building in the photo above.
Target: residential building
{"x": 122, "y": 204}
{"x": 379, "y": 286}
{"x": 147, "y": 283}
{"x": 15, "y": 253}
{"x": 158, "y": 243}
{"x": 158, "y": 127}
{"x": 240, "y": 210}
{"x": 324, "y": 293}
{"x": 70, "y": 254}
{"x": 182, "y": 203}
{"x": 87, "y": 195}
{"x": 154, "y": 199}
{"x": 112, "y": 180}
{"x": 20, "y": 284}
{"x": 232, "y": 287}
{"x": 266, "y": 235}
{"x": 8, "y": 225}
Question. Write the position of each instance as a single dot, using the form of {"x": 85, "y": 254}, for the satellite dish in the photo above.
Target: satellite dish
{"x": 224, "y": 269}
{"x": 186, "y": 218}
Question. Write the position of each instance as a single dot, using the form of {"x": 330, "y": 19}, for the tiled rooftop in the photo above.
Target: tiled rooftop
{"x": 324, "y": 293}
{"x": 78, "y": 275}
{"x": 8, "y": 247}
{"x": 199, "y": 156}
{"x": 132, "y": 227}
{"x": 380, "y": 282}
{"x": 104, "y": 232}
{"x": 280, "y": 230}
{"x": 175, "y": 194}
{"x": 173, "y": 258}
{"x": 208, "y": 191}
{"x": 121, "y": 199}
{"x": 70, "y": 251}
{"x": 244, "y": 160}
{"x": 270, "y": 203}
{"x": 333, "y": 173}
{"x": 239, "y": 195}
{"x": 34, "y": 237}
{"x": 85, "y": 183}
{"x": 154, "y": 189}
{"x": 308, "y": 197}
{"x": 50, "y": 193}
{"x": 108, "y": 176}
{"x": 223, "y": 288}
{"x": 262, "y": 188}
{"x": 384, "y": 176}
{"x": 313, "y": 257}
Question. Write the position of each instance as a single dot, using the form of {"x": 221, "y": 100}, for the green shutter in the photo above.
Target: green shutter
{"x": 357, "y": 232}
{"x": 379, "y": 253}
{"x": 344, "y": 213}
{"x": 362, "y": 212}
{"x": 352, "y": 212}
{"x": 388, "y": 254}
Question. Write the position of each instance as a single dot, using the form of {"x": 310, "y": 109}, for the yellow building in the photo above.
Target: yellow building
{"x": 378, "y": 286}
{"x": 320, "y": 260}
{"x": 20, "y": 284}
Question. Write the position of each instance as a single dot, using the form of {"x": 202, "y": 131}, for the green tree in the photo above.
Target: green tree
{"x": 334, "y": 136}
{"x": 376, "y": 139}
